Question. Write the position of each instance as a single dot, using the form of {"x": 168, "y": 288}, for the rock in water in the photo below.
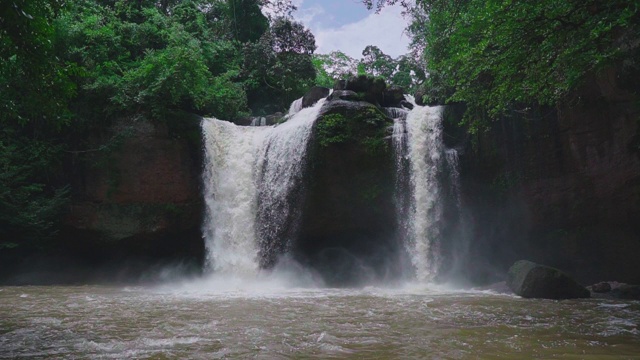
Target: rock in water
{"x": 626, "y": 292}
{"x": 601, "y": 287}
{"x": 531, "y": 280}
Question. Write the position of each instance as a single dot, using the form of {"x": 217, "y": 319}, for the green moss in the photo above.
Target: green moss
{"x": 364, "y": 126}
{"x": 361, "y": 96}
{"x": 333, "y": 129}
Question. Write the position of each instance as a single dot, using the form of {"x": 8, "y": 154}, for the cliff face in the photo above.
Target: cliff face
{"x": 140, "y": 201}
{"x": 561, "y": 186}
{"x": 348, "y": 220}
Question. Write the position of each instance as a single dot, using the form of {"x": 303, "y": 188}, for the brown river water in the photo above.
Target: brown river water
{"x": 223, "y": 319}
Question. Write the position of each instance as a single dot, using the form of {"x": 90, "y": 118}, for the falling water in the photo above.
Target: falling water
{"x": 454, "y": 174}
{"x": 279, "y": 190}
{"x": 419, "y": 158}
{"x": 259, "y": 121}
{"x": 230, "y": 195}
{"x": 295, "y": 107}
{"x": 249, "y": 175}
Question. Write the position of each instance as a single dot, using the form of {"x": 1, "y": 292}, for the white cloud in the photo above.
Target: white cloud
{"x": 309, "y": 15}
{"x": 385, "y": 30}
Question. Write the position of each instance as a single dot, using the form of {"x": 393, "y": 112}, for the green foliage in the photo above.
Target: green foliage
{"x": 67, "y": 68}
{"x": 35, "y": 87}
{"x": 28, "y": 207}
{"x": 279, "y": 67}
{"x": 333, "y": 66}
{"x": 363, "y": 126}
{"x": 247, "y": 21}
{"x": 404, "y": 71}
{"x": 333, "y": 129}
{"x": 377, "y": 63}
{"x": 149, "y": 59}
{"x": 496, "y": 55}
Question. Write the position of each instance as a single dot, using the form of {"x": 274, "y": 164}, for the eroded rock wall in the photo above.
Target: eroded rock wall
{"x": 138, "y": 202}
{"x": 560, "y": 186}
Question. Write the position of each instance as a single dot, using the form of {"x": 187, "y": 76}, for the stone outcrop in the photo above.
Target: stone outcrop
{"x": 369, "y": 88}
{"x": 615, "y": 290}
{"x": 348, "y": 219}
{"x": 531, "y": 280}
{"x": 393, "y": 97}
{"x": 314, "y": 95}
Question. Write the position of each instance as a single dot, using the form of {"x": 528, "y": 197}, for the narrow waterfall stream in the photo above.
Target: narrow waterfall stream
{"x": 420, "y": 152}
{"x": 249, "y": 175}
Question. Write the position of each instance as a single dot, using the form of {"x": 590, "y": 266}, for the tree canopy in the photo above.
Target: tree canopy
{"x": 495, "y": 54}
{"x": 68, "y": 68}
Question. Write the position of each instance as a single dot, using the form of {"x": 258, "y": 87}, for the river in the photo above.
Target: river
{"x": 220, "y": 319}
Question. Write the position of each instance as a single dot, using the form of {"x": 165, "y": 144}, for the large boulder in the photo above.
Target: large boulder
{"x": 393, "y": 96}
{"x": 346, "y": 95}
{"x": 626, "y": 292}
{"x": 531, "y": 280}
{"x": 368, "y": 88}
{"x": 314, "y": 95}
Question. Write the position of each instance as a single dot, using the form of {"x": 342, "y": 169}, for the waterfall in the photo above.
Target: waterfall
{"x": 280, "y": 186}
{"x": 295, "y": 107}
{"x": 420, "y": 152}
{"x": 250, "y": 174}
{"x": 230, "y": 194}
{"x": 454, "y": 174}
{"x": 259, "y": 121}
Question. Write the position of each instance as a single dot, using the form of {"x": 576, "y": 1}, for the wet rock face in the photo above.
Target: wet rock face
{"x": 348, "y": 218}
{"x": 368, "y": 88}
{"x": 314, "y": 95}
{"x": 560, "y": 185}
{"x": 531, "y": 280}
{"x": 142, "y": 199}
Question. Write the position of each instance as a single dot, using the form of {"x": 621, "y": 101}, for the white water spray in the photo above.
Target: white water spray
{"x": 249, "y": 173}
{"x": 295, "y": 107}
{"x": 419, "y": 159}
{"x": 283, "y": 160}
{"x": 230, "y": 193}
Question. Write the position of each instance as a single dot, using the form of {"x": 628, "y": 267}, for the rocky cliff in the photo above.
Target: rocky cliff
{"x": 136, "y": 203}
{"x": 558, "y": 185}
{"x": 348, "y": 221}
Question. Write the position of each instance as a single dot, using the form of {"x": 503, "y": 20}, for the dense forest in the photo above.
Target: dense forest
{"x": 68, "y": 68}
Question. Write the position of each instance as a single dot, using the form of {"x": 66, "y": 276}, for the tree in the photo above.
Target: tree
{"x": 35, "y": 89}
{"x": 333, "y": 66}
{"x": 279, "y": 67}
{"x": 377, "y": 63}
{"x": 247, "y": 21}
{"x": 497, "y": 54}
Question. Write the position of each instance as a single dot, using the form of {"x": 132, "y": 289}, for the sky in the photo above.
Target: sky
{"x": 348, "y": 26}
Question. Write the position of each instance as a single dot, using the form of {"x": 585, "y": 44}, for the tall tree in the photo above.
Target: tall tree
{"x": 494, "y": 54}
{"x": 279, "y": 67}
{"x": 248, "y": 23}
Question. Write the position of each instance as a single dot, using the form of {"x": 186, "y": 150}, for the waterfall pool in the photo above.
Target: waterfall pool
{"x": 206, "y": 320}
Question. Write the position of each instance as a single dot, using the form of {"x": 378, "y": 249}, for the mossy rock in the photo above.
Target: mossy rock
{"x": 349, "y": 183}
{"x": 370, "y": 88}
{"x": 353, "y": 123}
